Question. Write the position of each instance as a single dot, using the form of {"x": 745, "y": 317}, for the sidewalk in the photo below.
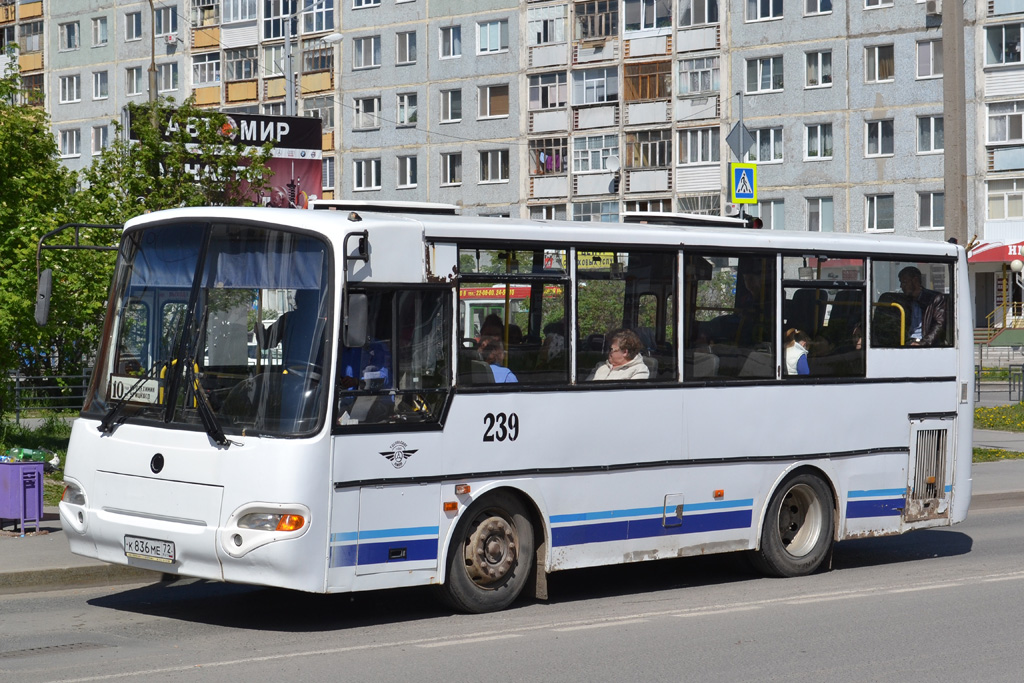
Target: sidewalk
{"x": 43, "y": 561}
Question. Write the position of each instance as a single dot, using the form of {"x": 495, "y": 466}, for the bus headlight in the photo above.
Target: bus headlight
{"x": 73, "y": 495}
{"x": 257, "y": 524}
{"x": 265, "y": 521}
{"x": 72, "y": 506}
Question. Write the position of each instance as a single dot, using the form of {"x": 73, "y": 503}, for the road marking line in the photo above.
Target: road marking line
{"x": 619, "y": 622}
{"x": 712, "y": 611}
{"x": 467, "y": 641}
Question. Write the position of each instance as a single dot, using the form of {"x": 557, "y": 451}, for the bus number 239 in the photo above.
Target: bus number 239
{"x": 501, "y": 427}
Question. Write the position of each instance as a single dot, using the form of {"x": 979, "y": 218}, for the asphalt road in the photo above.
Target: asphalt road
{"x": 936, "y": 604}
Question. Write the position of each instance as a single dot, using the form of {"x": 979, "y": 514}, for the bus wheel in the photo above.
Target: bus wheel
{"x": 491, "y": 555}
{"x": 798, "y": 529}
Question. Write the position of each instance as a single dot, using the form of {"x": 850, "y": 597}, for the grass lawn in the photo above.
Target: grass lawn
{"x": 1002, "y": 418}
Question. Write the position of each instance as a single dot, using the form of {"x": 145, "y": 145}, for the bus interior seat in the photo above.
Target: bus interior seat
{"x": 847, "y": 313}
{"x": 472, "y": 369}
{"x": 704, "y": 364}
{"x": 595, "y": 342}
{"x": 806, "y": 310}
{"x": 652, "y": 366}
{"x": 885, "y": 319}
{"x": 758, "y": 364}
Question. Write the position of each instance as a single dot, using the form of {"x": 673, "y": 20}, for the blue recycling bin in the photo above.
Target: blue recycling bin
{"x": 21, "y": 493}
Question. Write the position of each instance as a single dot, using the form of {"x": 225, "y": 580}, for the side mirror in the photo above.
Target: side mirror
{"x": 356, "y": 311}
{"x": 43, "y": 297}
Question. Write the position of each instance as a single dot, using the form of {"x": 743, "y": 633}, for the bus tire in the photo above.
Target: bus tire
{"x": 491, "y": 555}
{"x": 798, "y": 527}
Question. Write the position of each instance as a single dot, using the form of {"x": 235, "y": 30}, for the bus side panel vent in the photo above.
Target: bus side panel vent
{"x": 928, "y": 498}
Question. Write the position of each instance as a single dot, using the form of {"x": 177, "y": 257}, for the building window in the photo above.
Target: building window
{"x": 649, "y": 149}
{"x": 1005, "y": 199}
{"x": 871, "y": 4}
{"x": 764, "y": 75}
{"x": 71, "y": 143}
{"x": 701, "y": 204}
{"x": 100, "y": 139}
{"x": 817, "y": 7}
{"x": 32, "y": 92}
{"x": 819, "y": 69}
{"x": 819, "y": 141}
{"x": 327, "y": 173}
{"x": 407, "y": 114}
{"x": 931, "y": 210}
{"x": 699, "y": 146}
{"x": 275, "y": 14}
{"x": 772, "y": 213}
{"x": 549, "y": 156}
{"x": 591, "y": 153}
{"x": 647, "y": 81}
{"x": 879, "y": 213}
{"x": 929, "y": 59}
{"x": 166, "y": 20}
{"x": 367, "y": 113}
{"x": 545, "y": 25}
{"x": 451, "y": 106}
{"x": 7, "y": 37}
{"x": 602, "y": 212}
{"x": 451, "y": 42}
{"x": 99, "y": 31}
{"x": 206, "y": 69}
{"x": 367, "y": 52}
{"x": 930, "y": 137}
{"x": 70, "y": 89}
{"x": 365, "y": 3}
{"x": 133, "y": 80}
{"x": 451, "y": 168}
{"x": 597, "y": 19}
{"x": 366, "y": 174}
{"x": 239, "y": 10}
{"x": 492, "y": 36}
{"x": 273, "y": 60}
{"x": 100, "y": 87}
{"x": 493, "y": 100}
{"x": 595, "y": 85}
{"x": 1006, "y": 121}
{"x": 639, "y": 15}
{"x": 273, "y": 109}
{"x": 242, "y": 64}
{"x": 820, "y": 217}
{"x": 70, "y": 36}
{"x": 317, "y": 56}
{"x": 320, "y": 108}
{"x": 205, "y": 13}
{"x": 549, "y": 91}
{"x": 548, "y": 212}
{"x": 767, "y": 148}
{"x": 406, "y": 48}
{"x": 317, "y": 17}
{"x": 407, "y": 171}
{"x": 167, "y": 77}
{"x": 494, "y": 166}
{"x": 763, "y": 10}
{"x": 30, "y": 36}
{"x": 698, "y": 12}
{"x": 1003, "y": 44}
{"x": 879, "y": 64}
{"x": 648, "y": 205}
{"x": 133, "y": 26}
{"x": 879, "y": 138}
{"x": 698, "y": 76}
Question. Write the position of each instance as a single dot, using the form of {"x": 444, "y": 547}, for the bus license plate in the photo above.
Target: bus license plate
{"x": 149, "y": 549}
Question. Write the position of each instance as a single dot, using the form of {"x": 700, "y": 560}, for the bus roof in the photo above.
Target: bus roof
{"x": 334, "y": 224}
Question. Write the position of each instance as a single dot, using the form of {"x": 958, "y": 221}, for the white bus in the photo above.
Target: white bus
{"x": 377, "y": 450}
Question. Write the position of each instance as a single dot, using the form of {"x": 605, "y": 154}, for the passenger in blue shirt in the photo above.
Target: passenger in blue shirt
{"x": 493, "y": 352}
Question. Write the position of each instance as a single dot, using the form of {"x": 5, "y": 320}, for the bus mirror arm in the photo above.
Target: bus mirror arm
{"x": 355, "y": 320}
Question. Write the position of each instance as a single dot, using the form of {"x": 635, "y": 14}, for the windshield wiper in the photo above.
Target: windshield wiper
{"x": 113, "y": 418}
{"x": 203, "y": 407}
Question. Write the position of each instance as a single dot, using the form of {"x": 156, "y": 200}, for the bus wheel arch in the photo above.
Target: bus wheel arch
{"x": 492, "y": 553}
{"x": 799, "y": 525}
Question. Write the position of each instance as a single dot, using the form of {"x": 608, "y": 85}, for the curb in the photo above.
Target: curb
{"x": 73, "y": 577}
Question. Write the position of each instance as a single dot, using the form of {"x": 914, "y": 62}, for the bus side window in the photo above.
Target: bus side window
{"x": 730, "y": 316}
{"x": 630, "y": 291}
{"x": 911, "y": 304}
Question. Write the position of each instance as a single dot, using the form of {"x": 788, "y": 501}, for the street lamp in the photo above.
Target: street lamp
{"x": 291, "y": 103}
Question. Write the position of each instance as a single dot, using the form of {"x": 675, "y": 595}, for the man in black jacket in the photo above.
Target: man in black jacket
{"x": 927, "y": 324}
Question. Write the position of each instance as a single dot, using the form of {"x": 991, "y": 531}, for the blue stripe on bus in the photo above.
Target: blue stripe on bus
{"x": 646, "y": 512}
{"x": 349, "y": 536}
{"x": 874, "y": 508}
{"x": 648, "y": 528}
{"x": 876, "y": 493}
{"x": 378, "y": 553}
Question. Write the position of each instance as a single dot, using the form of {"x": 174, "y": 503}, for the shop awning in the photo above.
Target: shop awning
{"x": 996, "y": 252}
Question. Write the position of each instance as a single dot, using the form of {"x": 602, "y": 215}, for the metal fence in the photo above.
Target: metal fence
{"x": 47, "y": 394}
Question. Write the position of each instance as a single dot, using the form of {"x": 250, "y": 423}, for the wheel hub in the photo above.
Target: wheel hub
{"x": 800, "y": 520}
{"x": 491, "y": 551}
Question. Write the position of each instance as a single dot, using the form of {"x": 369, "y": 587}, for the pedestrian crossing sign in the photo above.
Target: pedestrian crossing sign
{"x": 743, "y": 183}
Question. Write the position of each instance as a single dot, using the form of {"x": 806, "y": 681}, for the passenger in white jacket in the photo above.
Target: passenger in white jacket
{"x": 624, "y": 359}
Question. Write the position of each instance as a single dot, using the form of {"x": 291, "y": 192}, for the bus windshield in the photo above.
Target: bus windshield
{"x": 223, "y": 325}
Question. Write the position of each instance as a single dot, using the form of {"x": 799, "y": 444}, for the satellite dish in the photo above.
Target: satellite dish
{"x": 612, "y": 164}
